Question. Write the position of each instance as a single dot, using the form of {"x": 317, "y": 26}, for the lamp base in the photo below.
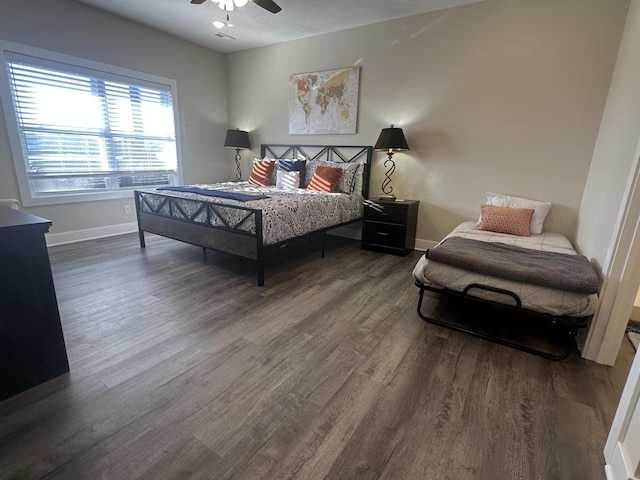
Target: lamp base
{"x": 238, "y": 171}
{"x": 389, "y": 197}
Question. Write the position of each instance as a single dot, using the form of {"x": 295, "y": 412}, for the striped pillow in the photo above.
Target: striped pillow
{"x": 261, "y": 172}
{"x": 325, "y": 179}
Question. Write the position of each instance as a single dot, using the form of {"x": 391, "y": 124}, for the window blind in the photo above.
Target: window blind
{"x": 83, "y": 129}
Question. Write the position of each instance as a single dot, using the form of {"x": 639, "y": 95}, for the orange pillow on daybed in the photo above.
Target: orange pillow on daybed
{"x": 514, "y": 221}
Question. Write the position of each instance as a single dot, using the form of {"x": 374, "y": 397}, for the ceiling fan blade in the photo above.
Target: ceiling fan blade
{"x": 198, "y": 2}
{"x": 269, "y": 5}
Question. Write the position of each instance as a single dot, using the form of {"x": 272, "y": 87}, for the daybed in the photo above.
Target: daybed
{"x": 529, "y": 273}
{"x": 249, "y": 221}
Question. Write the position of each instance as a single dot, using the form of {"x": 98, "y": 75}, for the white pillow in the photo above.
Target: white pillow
{"x": 288, "y": 180}
{"x": 540, "y": 209}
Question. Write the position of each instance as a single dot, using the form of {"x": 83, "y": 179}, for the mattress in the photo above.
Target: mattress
{"x": 533, "y": 297}
{"x": 286, "y": 213}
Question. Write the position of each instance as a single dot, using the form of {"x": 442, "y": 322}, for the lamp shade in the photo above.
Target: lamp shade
{"x": 237, "y": 139}
{"x": 391, "y": 140}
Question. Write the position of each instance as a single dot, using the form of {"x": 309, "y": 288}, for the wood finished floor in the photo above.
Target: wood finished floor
{"x": 182, "y": 368}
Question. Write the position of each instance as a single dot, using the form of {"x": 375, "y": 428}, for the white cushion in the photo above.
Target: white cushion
{"x": 288, "y": 180}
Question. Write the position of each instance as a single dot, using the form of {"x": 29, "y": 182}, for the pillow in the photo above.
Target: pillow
{"x": 261, "y": 172}
{"x": 514, "y": 221}
{"x": 325, "y": 179}
{"x": 358, "y": 181}
{"x": 275, "y": 170}
{"x": 288, "y": 180}
{"x": 309, "y": 170}
{"x": 272, "y": 180}
{"x": 347, "y": 181}
{"x": 294, "y": 166}
{"x": 541, "y": 209}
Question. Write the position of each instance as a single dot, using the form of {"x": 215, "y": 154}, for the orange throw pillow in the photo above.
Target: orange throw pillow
{"x": 514, "y": 221}
{"x": 261, "y": 172}
{"x": 325, "y": 179}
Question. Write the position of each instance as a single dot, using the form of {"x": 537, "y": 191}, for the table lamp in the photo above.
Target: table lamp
{"x": 390, "y": 140}
{"x": 238, "y": 139}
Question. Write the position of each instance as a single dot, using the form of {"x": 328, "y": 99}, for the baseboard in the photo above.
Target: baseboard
{"x": 424, "y": 245}
{"x": 90, "y": 233}
{"x": 122, "y": 228}
{"x": 608, "y": 471}
{"x": 618, "y": 467}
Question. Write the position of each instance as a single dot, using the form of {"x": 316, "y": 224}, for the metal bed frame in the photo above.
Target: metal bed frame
{"x": 566, "y": 327}
{"x": 170, "y": 220}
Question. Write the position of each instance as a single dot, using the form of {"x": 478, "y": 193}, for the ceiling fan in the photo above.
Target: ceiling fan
{"x": 268, "y": 5}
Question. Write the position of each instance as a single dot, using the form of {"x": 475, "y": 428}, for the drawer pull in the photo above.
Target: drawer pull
{"x": 384, "y": 234}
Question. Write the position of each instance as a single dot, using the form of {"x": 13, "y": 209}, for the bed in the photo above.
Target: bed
{"x": 250, "y": 221}
{"x": 528, "y": 274}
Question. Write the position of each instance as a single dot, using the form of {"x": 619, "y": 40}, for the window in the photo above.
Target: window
{"x": 89, "y": 130}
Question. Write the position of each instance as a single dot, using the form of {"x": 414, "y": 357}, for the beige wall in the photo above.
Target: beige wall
{"x": 503, "y": 95}
{"x": 71, "y": 28}
{"x": 614, "y": 156}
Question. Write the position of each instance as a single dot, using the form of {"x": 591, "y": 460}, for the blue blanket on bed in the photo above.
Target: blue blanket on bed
{"x": 241, "y": 197}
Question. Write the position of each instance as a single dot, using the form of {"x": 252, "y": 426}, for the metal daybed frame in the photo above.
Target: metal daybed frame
{"x": 231, "y": 238}
{"x": 565, "y": 326}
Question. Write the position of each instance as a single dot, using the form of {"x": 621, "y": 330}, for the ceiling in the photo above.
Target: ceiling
{"x": 256, "y": 27}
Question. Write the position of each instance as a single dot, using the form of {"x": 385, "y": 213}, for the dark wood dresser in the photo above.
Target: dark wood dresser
{"x": 32, "y": 348}
{"x": 390, "y": 225}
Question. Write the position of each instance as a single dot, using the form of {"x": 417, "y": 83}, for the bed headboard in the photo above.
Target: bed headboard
{"x": 330, "y": 153}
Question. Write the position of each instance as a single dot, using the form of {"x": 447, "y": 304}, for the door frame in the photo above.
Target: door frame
{"x": 621, "y": 277}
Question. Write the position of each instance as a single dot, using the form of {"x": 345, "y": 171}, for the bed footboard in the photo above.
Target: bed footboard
{"x": 565, "y": 327}
{"x": 223, "y": 228}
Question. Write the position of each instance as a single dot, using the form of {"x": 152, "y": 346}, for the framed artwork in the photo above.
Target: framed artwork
{"x": 324, "y": 102}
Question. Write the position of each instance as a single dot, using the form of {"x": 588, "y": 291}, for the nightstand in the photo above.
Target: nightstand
{"x": 390, "y": 226}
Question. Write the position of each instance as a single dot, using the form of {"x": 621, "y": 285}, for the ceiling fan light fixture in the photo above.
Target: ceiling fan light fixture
{"x": 218, "y": 24}
{"x": 268, "y": 5}
{"x": 229, "y": 4}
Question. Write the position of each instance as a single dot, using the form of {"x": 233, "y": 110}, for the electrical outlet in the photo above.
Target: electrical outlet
{"x": 127, "y": 209}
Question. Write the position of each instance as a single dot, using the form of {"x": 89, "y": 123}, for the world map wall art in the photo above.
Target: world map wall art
{"x": 324, "y": 102}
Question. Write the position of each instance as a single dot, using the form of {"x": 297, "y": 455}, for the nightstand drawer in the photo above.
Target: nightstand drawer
{"x": 384, "y": 234}
{"x": 385, "y": 213}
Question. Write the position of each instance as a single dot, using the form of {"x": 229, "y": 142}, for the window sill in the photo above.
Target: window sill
{"x": 62, "y": 198}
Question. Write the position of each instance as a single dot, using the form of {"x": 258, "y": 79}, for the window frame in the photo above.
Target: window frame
{"x": 29, "y": 198}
